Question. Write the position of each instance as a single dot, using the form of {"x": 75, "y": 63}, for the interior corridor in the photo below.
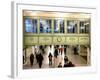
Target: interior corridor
{"x": 76, "y": 59}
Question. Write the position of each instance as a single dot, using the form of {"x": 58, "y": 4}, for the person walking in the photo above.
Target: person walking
{"x": 40, "y": 60}
{"x": 65, "y": 59}
{"x": 50, "y": 59}
{"x": 62, "y": 49}
{"x": 55, "y": 56}
{"x": 65, "y": 50}
{"x": 56, "y": 53}
{"x": 75, "y": 50}
{"x": 31, "y": 59}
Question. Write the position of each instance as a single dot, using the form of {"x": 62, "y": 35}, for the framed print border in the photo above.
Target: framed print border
{"x": 17, "y": 40}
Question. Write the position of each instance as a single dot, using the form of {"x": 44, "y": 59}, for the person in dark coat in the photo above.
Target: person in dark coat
{"x": 31, "y": 59}
{"x": 70, "y": 64}
{"x": 65, "y": 50}
{"x": 56, "y": 53}
{"x": 60, "y": 65}
{"x": 40, "y": 60}
{"x": 50, "y": 58}
{"x": 75, "y": 50}
{"x": 66, "y": 64}
{"x": 65, "y": 59}
{"x": 37, "y": 58}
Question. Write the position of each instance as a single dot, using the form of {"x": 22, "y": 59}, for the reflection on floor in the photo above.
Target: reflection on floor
{"x": 75, "y": 59}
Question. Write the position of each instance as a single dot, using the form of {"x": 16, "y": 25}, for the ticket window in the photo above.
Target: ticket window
{"x": 56, "y": 26}
{"x": 30, "y": 25}
{"x": 45, "y": 26}
{"x": 71, "y": 26}
{"x": 59, "y": 26}
{"x": 84, "y": 26}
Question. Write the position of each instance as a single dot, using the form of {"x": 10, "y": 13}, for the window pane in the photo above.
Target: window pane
{"x": 84, "y": 26}
{"x": 56, "y": 26}
{"x": 72, "y": 26}
{"x": 61, "y": 26}
{"x": 30, "y": 25}
{"x": 45, "y": 26}
{"x": 34, "y": 27}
